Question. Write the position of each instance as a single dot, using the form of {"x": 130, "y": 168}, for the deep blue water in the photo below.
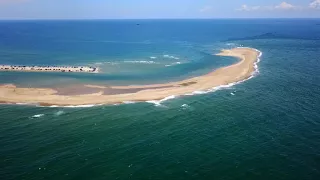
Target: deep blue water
{"x": 265, "y": 128}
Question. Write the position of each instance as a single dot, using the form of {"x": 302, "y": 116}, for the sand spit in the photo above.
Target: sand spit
{"x": 135, "y": 93}
{"x": 83, "y": 69}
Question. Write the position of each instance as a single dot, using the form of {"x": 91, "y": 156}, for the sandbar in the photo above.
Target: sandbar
{"x": 21, "y": 68}
{"x": 93, "y": 94}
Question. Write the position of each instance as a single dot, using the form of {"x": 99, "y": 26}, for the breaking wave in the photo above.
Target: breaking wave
{"x": 170, "y": 57}
{"x": 59, "y": 113}
{"x": 37, "y": 115}
{"x": 158, "y": 102}
{"x": 141, "y": 62}
{"x": 172, "y": 64}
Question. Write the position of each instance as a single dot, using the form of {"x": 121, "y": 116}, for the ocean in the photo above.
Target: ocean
{"x": 267, "y": 127}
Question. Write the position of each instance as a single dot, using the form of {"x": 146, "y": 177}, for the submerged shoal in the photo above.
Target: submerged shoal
{"x": 241, "y": 70}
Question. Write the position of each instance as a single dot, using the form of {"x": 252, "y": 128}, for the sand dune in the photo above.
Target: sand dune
{"x": 107, "y": 95}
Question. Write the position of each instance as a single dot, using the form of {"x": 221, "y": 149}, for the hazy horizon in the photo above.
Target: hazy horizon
{"x": 125, "y": 19}
{"x": 143, "y": 9}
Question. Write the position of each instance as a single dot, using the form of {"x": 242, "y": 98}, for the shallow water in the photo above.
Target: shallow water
{"x": 264, "y": 128}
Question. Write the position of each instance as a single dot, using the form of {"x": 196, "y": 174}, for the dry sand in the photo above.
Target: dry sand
{"x": 117, "y": 94}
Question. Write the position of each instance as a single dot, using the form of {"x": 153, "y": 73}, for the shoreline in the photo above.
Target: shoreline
{"x": 155, "y": 93}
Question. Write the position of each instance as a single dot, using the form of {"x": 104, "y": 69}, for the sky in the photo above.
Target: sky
{"x": 157, "y": 9}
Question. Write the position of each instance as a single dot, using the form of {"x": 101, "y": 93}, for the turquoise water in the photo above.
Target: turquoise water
{"x": 265, "y": 128}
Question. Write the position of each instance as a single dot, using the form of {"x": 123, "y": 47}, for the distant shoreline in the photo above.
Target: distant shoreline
{"x": 91, "y": 94}
{"x": 82, "y": 69}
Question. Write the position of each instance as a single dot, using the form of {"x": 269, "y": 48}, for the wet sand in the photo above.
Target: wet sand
{"x": 91, "y": 94}
{"x": 85, "y": 89}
